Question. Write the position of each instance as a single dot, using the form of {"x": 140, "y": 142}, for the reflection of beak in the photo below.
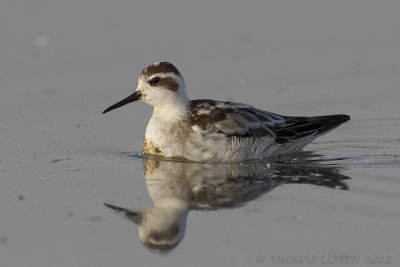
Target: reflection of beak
{"x": 133, "y": 97}
{"x": 137, "y": 217}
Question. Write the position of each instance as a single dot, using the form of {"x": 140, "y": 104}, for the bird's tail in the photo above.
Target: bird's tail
{"x": 296, "y": 128}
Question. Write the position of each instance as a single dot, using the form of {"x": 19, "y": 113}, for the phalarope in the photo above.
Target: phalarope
{"x": 211, "y": 130}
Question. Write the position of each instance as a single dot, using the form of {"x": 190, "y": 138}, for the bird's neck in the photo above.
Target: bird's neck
{"x": 172, "y": 110}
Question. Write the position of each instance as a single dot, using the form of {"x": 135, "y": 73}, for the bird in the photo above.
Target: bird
{"x": 213, "y": 130}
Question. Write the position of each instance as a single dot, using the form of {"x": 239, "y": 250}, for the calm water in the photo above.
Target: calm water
{"x": 335, "y": 203}
{"x": 338, "y": 199}
{"x": 63, "y": 62}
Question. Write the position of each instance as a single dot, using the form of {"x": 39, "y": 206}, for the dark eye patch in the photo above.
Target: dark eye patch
{"x": 154, "y": 81}
{"x": 166, "y": 83}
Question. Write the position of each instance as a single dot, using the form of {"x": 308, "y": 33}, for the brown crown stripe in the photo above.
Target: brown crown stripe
{"x": 162, "y": 67}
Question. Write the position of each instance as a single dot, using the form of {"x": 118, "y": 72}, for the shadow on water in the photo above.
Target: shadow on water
{"x": 176, "y": 187}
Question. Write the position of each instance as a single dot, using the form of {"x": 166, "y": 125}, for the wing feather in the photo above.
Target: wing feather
{"x": 240, "y": 120}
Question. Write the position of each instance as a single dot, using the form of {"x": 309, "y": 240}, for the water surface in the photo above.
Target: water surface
{"x": 312, "y": 207}
{"x": 63, "y": 62}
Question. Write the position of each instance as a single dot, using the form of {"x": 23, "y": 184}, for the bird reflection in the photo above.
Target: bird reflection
{"x": 176, "y": 187}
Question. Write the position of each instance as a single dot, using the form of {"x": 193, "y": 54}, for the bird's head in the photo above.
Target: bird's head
{"x": 160, "y": 85}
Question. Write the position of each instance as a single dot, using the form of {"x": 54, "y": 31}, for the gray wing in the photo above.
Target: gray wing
{"x": 234, "y": 119}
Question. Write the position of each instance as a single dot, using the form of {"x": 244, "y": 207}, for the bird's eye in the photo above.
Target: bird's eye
{"x": 155, "y": 80}
{"x": 155, "y": 237}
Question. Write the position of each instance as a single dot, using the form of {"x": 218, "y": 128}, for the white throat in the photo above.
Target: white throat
{"x": 171, "y": 111}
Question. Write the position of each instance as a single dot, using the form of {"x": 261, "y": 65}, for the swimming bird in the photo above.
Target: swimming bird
{"x": 212, "y": 130}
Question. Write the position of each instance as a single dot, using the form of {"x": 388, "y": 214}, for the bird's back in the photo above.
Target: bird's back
{"x": 253, "y": 133}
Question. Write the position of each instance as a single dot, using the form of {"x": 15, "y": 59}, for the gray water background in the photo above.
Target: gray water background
{"x": 63, "y": 62}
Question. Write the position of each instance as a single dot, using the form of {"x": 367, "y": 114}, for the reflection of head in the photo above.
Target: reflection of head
{"x": 161, "y": 227}
{"x": 178, "y": 186}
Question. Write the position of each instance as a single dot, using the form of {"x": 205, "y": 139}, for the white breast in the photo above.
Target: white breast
{"x": 181, "y": 140}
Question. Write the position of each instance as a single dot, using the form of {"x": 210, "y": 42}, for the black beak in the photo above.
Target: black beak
{"x": 137, "y": 217}
{"x": 133, "y": 97}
